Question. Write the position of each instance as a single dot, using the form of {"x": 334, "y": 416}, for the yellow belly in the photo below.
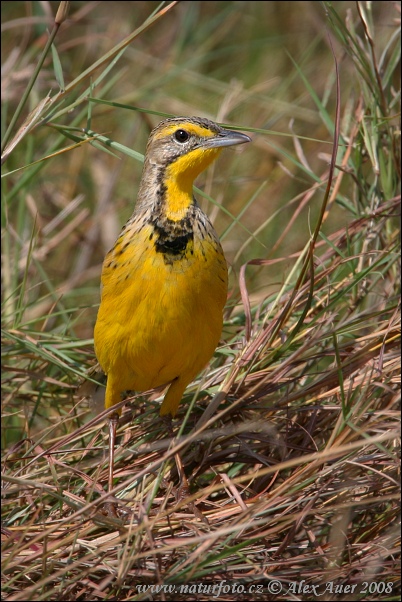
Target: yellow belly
{"x": 159, "y": 321}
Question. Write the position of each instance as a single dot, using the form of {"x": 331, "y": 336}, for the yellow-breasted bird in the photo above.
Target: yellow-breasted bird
{"x": 164, "y": 283}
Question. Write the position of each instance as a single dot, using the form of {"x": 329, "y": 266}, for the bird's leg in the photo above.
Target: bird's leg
{"x": 113, "y": 421}
{"x": 183, "y": 491}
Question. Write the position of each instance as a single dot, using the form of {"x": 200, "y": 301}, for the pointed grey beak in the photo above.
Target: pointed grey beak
{"x": 225, "y": 138}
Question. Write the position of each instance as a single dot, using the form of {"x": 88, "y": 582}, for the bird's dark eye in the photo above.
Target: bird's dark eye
{"x": 181, "y": 135}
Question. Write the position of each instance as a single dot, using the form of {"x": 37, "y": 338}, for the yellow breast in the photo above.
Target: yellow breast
{"x": 159, "y": 320}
